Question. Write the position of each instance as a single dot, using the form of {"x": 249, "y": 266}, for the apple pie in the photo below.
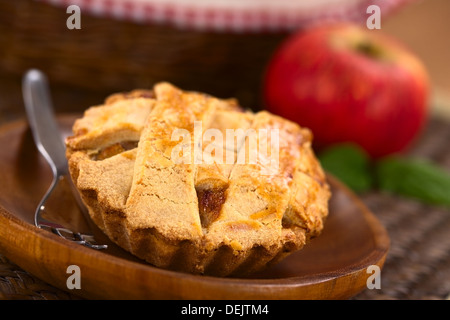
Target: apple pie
{"x": 186, "y": 181}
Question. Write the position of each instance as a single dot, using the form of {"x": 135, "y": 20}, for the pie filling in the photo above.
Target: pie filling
{"x": 210, "y": 203}
{"x": 114, "y": 149}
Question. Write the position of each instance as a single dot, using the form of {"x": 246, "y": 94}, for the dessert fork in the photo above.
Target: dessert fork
{"x": 50, "y": 144}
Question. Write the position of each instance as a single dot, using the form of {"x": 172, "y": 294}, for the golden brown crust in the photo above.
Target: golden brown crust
{"x": 215, "y": 216}
{"x": 122, "y": 120}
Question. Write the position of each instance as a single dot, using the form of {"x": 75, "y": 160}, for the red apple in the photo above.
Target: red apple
{"x": 349, "y": 84}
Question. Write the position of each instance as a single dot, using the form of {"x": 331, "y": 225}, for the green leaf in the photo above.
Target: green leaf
{"x": 350, "y": 164}
{"x": 416, "y": 178}
{"x": 419, "y": 179}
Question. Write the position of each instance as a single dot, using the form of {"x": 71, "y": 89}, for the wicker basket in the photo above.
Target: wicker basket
{"x": 109, "y": 55}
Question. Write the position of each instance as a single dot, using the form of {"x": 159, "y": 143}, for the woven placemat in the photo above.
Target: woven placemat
{"x": 417, "y": 265}
{"x": 17, "y": 284}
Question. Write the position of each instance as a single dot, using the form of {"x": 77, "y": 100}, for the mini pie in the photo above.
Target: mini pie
{"x": 208, "y": 217}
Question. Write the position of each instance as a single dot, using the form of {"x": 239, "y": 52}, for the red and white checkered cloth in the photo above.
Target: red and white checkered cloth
{"x": 233, "y": 15}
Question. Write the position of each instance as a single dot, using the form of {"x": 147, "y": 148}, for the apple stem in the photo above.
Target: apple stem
{"x": 369, "y": 49}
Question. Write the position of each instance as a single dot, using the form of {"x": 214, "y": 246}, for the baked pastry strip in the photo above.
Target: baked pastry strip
{"x": 248, "y": 231}
{"x": 218, "y": 158}
{"x": 258, "y": 195}
{"x": 105, "y": 125}
{"x": 105, "y": 186}
{"x": 108, "y": 133}
{"x": 163, "y": 195}
{"x": 308, "y": 205}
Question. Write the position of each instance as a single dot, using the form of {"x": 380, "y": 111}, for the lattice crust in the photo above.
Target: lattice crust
{"x": 201, "y": 215}
{"x": 116, "y": 122}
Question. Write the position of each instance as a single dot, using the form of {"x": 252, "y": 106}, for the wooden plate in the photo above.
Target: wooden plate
{"x": 332, "y": 266}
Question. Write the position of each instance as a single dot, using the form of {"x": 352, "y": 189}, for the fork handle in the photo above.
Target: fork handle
{"x": 44, "y": 127}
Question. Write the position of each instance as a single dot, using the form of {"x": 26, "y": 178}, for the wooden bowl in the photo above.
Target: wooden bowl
{"x": 332, "y": 266}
